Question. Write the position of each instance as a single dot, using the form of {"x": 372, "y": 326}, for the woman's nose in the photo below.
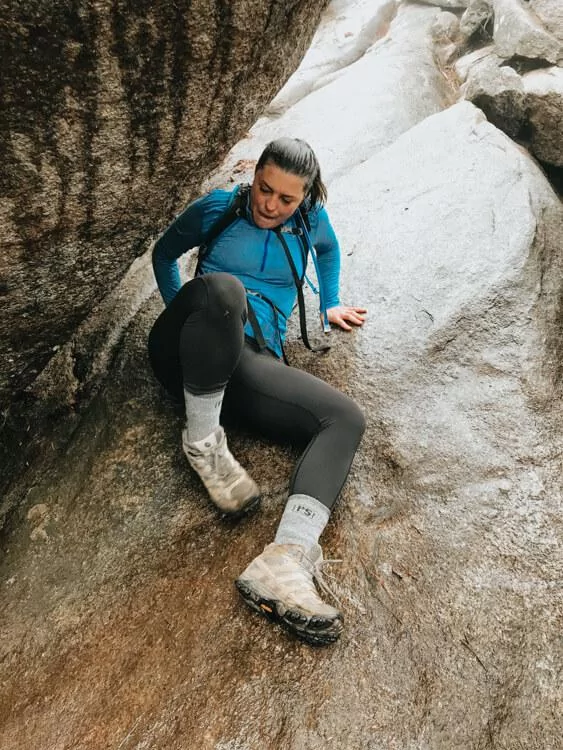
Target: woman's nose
{"x": 271, "y": 204}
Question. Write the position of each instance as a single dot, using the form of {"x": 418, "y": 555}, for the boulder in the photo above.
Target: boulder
{"x": 519, "y": 33}
{"x": 497, "y": 90}
{"x": 544, "y": 102}
{"x": 466, "y": 63}
{"x": 445, "y": 28}
{"x": 475, "y": 19}
{"x": 113, "y": 114}
{"x": 527, "y": 106}
{"x": 112, "y": 117}
{"x": 550, "y": 13}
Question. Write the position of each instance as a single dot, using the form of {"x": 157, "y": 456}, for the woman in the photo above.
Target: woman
{"x": 218, "y": 345}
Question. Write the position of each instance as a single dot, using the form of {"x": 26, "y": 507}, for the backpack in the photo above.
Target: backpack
{"x": 234, "y": 211}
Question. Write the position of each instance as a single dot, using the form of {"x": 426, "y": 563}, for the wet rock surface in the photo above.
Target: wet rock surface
{"x": 120, "y": 623}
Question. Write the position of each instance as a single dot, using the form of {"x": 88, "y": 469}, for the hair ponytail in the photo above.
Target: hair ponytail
{"x": 317, "y": 193}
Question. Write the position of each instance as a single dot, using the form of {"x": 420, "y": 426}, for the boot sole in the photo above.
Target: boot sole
{"x": 319, "y": 633}
{"x": 236, "y": 515}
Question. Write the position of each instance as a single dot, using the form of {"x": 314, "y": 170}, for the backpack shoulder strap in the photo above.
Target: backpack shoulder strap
{"x": 234, "y": 211}
{"x": 304, "y": 213}
{"x": 300, "y": 298}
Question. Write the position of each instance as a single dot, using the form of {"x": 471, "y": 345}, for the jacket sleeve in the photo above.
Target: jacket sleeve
{"x": 328, "y": 257}
{"x": 185, "y": 232}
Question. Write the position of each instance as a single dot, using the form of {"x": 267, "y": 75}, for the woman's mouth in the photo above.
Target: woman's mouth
{"x": 262, "y": 217}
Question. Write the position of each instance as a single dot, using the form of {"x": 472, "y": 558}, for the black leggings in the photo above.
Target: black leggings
{"x": 198, "y": 343}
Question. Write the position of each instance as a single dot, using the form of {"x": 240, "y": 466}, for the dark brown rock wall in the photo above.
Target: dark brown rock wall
{"x": 112, "y": 113}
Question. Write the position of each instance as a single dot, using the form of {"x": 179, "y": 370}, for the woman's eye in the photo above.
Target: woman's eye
{"x": 265, "y": 190}
{"x": 286, "y": 201}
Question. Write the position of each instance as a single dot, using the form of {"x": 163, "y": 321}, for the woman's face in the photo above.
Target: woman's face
{"x": 275, "y": 195}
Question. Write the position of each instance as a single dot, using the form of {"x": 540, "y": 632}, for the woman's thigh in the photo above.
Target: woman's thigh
{"x": 284, "y": 402}
{"x": 290, "y": 405}
{"x": 197, "y": 339}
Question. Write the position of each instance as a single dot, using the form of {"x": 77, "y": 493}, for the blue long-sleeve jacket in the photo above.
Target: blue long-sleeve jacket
{"x": 255, "y": 256}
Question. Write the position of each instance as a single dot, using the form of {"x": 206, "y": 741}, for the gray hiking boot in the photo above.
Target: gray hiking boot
{"x": 228, "y": 484}
{"x": 279, "y": 584}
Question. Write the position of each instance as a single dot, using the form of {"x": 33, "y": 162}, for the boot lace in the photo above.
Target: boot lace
{"x": 224, "y": 463}
{"x": 320, "y": 574}
{"x": 330, "y": 587}
{"x": 218, "y": 464}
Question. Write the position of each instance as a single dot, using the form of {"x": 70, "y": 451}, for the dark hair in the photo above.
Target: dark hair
{"x": 297, "y": 157}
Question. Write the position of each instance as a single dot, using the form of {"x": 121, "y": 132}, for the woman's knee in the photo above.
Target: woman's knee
{"x": 226, "y": 294}
{"x": 350, "y": 418}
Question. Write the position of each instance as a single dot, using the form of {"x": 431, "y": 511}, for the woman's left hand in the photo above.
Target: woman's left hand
{"x": 344, "y": 315}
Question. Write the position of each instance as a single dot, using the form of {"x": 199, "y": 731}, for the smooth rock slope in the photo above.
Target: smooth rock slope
{"x": 120, "y": 623}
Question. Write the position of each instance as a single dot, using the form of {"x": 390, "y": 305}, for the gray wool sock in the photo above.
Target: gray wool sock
{"x": 202, "y": 414}
{"x": 303, "y": 521}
